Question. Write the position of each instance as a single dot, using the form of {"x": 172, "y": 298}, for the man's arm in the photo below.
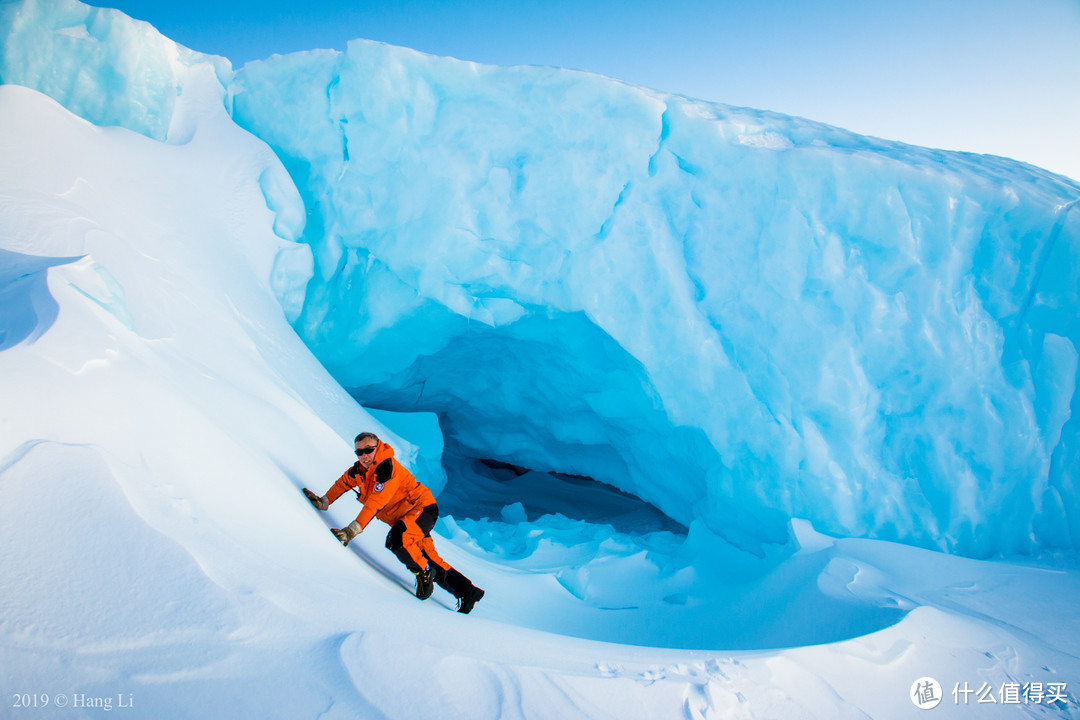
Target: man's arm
{"x": 340, "y": 487}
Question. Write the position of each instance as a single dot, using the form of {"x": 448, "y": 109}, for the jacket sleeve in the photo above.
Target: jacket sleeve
{"x": 378, "y": 498}
{"x": 340, "y": 487}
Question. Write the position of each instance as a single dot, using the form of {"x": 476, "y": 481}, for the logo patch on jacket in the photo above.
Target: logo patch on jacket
{"x": 378, "y": 487}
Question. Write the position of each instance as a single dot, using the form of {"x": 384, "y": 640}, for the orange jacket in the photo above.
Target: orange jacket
{"x": 388, "y": 491}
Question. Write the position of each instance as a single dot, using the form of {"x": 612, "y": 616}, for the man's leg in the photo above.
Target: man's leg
{"x": 404, "y": 541}
{"x": 446, "y": 576}
{"x": 426, "y": 521}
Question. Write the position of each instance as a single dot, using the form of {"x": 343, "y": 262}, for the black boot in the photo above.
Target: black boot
{"x": 465, "y": 603}
{"x": 462, "y": 588}
{"x": 425, "y": 583}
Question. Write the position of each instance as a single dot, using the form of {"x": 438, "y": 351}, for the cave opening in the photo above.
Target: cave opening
{"x": 485, "y": 488}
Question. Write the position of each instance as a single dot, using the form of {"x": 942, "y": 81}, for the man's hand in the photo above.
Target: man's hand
{"x": 320, "y": 503}
{"x": 347, "y": 533}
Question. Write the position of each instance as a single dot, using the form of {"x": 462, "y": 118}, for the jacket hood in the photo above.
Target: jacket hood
{"x": 382, "y": 452}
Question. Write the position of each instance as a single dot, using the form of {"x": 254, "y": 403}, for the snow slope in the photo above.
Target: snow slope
{"x": 160, "y": 414}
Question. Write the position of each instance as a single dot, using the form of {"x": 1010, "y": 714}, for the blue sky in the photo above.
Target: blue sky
{"x": 993, "y": 76}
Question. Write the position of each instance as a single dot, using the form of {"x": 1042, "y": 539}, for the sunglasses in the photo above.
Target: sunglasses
{"x": 365, "y": 451}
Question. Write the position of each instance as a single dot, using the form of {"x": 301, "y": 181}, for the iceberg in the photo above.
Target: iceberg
{"x": 737, "y": 316}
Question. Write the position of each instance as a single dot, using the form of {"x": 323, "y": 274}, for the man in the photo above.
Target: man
{"x": 391, "y": 493}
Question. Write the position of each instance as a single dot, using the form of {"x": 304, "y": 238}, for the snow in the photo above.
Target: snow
{"x": 161, "y": 413}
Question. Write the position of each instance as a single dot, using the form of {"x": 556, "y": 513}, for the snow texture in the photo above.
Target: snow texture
{"x": 732, "y": 319}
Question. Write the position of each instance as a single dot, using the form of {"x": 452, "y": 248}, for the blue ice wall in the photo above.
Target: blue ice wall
{"x": 736, "y": 315}
{"x": 727, "y": 312}
{"x": 97, "y": 62}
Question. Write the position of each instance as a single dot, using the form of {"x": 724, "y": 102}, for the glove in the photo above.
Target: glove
{"x": 320, "y": 503}
{"x": 347, "y": 533}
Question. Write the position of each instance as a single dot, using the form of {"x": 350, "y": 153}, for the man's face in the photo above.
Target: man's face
{"x": 365, "y": 451}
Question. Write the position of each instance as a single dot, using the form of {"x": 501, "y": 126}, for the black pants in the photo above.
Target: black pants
{"x": 446, "y": 576}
